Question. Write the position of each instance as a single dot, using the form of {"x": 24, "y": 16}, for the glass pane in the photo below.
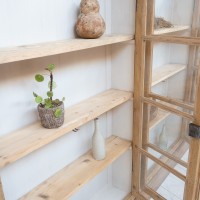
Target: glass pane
{"x": 174, "y": 17}
{"x": 174, "y": 72}
{"x": 162, "y": 181}
{"x": 165, "y": 132}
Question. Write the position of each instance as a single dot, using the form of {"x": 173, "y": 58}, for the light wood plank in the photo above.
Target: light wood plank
{"x": 167, "y": 154}
{"x": 139, "y": 69}
{"x": 70, "y": 179}
{"x": 165, "y": 72}
{"x": 168, "y": 107}
{"x": 175, "y": 29}
{"x": 192, "y": 188}
{"x": 57, "y": 47}
{"x": 164, "y": 165}
{"x": 173, "y": 39}
{"x": 24, "y": 141}
{"x": 147, "y": 85}
{"x": 172, "y": 101}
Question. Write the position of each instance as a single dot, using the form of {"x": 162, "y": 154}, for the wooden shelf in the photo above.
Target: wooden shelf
{"x": 69, "y": 180}
{"x": 57, "y": 47}
{"x": 175, "y": 29}
{"x": 166, "y": 72}
{"x": 162, "y": 115}
{"x": 24, "y": 141}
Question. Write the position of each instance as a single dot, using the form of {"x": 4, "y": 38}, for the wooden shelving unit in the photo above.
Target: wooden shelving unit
{"x": 166, "y": 72}
{"x": 24, "y": 141}
{"x": 70, "y": 179}
{"x": 57, "y": 47}
{"x": 175, "y": 29}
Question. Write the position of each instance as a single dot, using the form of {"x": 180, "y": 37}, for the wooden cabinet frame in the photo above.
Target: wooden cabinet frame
{"x": 144, "y": 39}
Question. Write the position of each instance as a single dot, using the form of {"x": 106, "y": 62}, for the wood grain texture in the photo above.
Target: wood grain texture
{"x": 165, "y": 72}
{"x": 24, "y": 141}
{"x": 70, "y": 179}
{"x": 172, "y": 101}
{"x": 141, "y": 14}
{"x": 173, "y": 39}
{"x": 58, "y": 47}
{"x": 192, "y": 189}
{"x": 168, "y": 107}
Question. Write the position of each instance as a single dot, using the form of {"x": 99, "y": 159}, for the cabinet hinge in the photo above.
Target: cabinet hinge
{"x": 194, "y": 130}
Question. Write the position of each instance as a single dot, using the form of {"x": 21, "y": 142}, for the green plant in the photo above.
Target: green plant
{"x": 48, "y": 102}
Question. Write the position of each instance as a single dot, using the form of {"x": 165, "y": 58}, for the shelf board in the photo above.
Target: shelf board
{"x": 165, "y": 72}
{"x": 162, "y": 115}
{"x": 175, "y": 29}
{"x": 57, "y": 47}
{"x": 69, "y": 180}
{"x": 110, "y": 193}
{"x": 24, "y": 141}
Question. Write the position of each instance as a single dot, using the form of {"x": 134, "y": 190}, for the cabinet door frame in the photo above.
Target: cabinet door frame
{"x": 142, "y": 80}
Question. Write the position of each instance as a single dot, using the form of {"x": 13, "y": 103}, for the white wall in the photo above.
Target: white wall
{"x": 79, "y": 75}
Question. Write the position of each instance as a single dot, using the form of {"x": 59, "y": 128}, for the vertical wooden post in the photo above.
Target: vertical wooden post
{"x": 141, "y": 7}
{"x": 192, "y": 186}
{"x": 1, "y": 191}
{"x": 147, "y": 86}
{"x": 191, "y": 62}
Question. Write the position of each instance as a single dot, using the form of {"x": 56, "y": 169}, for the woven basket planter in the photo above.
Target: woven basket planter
{"x": 48, "y": 118}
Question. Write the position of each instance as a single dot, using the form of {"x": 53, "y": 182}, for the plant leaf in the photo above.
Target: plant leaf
{"x": 51, "y": 67}
{"x": 34, "y": 94}
{"x": 49, "y": 94}
{"x": 48, "y": 102}
{"x": 63, "y": 99}
{"x": 53, "y": 85}
{"x": 57, "y": 101}
{"x": 39, "y": 78}
{"x": 58, "y": 113}
{"x": 38, "y": 99}
{"x": 47, "y": 106}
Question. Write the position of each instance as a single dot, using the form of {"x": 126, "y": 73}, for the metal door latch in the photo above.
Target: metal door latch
{"x": 194, "y": 130}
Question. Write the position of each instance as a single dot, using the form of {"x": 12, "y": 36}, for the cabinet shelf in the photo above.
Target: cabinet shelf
{"x": 24, "y": 141}
{"x": 165, "y": 72}
{"x": 69, "y": 180}
{"x": 175, "y": 29}
{"x": 162, "y": 115}
{"x": 57, "y": 47}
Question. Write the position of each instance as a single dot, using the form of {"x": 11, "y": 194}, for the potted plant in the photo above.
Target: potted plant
{"x": 51, "y": 111}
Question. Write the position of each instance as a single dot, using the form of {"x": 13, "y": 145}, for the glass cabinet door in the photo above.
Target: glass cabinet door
{"x": 167, "y": 99}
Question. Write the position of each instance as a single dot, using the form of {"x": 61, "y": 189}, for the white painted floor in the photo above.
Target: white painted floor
{"x": 173, "y": 188}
